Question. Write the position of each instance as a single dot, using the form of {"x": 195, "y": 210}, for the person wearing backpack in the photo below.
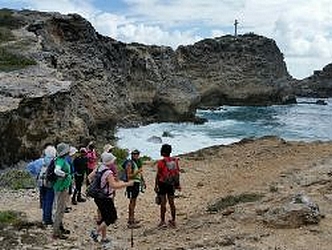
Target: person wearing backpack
{"x": 38, "y": 169}
{"x": 133, "y": 169}
{"x": 92, "y": 156}
{"x": 167, "y": 181}
{"x": 105, "y": 203}
{"x": 61, "y": 188}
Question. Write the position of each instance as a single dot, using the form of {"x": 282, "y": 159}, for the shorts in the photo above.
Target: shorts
{"x": 107, "y": 210}
{"x": 166, "y": 189}
{"x": 133, "y": 191}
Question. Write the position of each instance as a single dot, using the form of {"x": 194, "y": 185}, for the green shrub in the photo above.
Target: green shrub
{"x": 9, "y": 217}
{"x": 10, "y": 61}
{"x": 17, "y": 179}
{"x": 232, "y": 200}
{"x": 7, "y": 19}
{"x": 120, "y": 154}
{"x": 6, "y": 35}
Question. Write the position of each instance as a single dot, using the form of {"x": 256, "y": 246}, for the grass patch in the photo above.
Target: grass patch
{"x": 122, "y": 154}
{"x": 9, "y": 20}
{"x": 10, "y": 61}
{"x": 17, "y": 179}
{"x": 232, "y": 200}
{"x": 10, "y": 217}
{"x": 6, "y": 35}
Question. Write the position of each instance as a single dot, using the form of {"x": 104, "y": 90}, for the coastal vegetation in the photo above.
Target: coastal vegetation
{"x": 9, "y": 60}
{"x": 16, "y": 179}
{"x": 232, "y": 200}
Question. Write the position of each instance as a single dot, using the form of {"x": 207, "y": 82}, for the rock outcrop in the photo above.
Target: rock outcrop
{"x": 82, "y": 84}
{"x": 319, "y": 85}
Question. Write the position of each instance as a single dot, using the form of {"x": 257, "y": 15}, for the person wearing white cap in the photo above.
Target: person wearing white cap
{"x": 106, "y": 205}
{"x": 38, "y": 169}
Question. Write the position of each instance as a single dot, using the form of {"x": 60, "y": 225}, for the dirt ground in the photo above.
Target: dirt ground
{"x": 270, "y": 167}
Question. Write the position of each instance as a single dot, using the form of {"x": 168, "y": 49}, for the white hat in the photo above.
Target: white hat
{"x": 50, "y": 151}
{"x": 107, "y": 158}
{"x": 72, "y": 151}
{"x": 107, "y": 147}
{"x": 62, "y": 149}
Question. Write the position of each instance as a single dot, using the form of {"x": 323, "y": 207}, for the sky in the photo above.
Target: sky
{"x": 302, "y": 29}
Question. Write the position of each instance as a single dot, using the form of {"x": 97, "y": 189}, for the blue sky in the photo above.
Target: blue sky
{"x": 301, "y": 29}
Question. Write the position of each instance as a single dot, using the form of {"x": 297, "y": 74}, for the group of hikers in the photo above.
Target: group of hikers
{"x": 62, "y": 170}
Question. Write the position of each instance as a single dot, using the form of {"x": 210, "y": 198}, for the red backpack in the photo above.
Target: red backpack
{"x": 169, "y": 171}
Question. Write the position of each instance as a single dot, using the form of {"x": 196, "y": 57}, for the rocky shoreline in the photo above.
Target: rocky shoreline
{"x": 272, "y": 170}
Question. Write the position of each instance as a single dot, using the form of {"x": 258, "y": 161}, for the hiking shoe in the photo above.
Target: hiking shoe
{"x": 59, "y": 237}
{"x": 67, "y": 209}
{"x": 105, "y": 241}
{"x": 172, "y": 223}
{"x": 64, "y": 231}
{"x": 162, "y": 224}
{"x": 81, "y": 199}
{"x": 133, "y": 225}
{"x": 134, "y": 222}
{"x": 48, "y": 223}
{"x": 94, "y": 235}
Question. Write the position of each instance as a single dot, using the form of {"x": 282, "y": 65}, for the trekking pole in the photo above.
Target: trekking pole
{"x": 132, "y": 237}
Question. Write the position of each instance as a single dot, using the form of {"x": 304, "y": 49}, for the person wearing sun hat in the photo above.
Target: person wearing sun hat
{"x": 70, "y": 158}
{"x": 38, "y": 168}
{"x": 61, "y": 188}
{"x": 107, "y": 210}
{"x": 108, "y": 148}
{"x": 134, "y": 170}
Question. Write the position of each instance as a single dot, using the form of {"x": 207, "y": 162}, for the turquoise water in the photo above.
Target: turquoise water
{"x": 228, "y": 124}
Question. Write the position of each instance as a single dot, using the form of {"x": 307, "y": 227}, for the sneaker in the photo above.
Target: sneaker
{"x": 64, "y": 231}
{"x": 105, "y": 241}
{"x": 67, "y": 209}
{"x": 133, "y": 225}
{"x": 48, "y": 223}
{"x": 162, "y": 224}
{"x": 94, "y": 235}
{"x": 134, "y": 222}
{"x": 172, "y": 223}
{"x": 80, "y": 199}
{"x": 74, "y": 202}
{"x": 59, "y": 237}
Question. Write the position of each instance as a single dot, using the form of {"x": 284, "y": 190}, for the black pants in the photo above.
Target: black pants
{"x": 78, "y": 183}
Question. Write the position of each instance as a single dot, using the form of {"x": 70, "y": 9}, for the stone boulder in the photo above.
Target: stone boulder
{"x": 298, "y": 212}
{"x": 82, "y": 84}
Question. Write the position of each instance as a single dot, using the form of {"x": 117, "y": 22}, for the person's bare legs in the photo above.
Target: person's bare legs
{"x": 173, "y": 210}
{"x": 131, "y": 215}
{"x": 102, "y": 228}
{"x": 162, "y": 210}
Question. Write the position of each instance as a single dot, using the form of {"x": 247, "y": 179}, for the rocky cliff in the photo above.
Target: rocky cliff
{"x": 62, "y": 81}
{"x": 319, "y": 85}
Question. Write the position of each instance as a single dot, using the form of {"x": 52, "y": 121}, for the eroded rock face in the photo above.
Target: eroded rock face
{"x": 319, "y": 85}
{"x": 85, "y": 84}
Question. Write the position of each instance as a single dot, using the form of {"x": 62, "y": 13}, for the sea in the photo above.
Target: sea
{"x": 304, "y": 121}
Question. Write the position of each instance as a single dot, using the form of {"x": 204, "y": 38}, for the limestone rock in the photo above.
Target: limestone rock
{"x": 84, "y": 84}
{"x": 299, "y": 212}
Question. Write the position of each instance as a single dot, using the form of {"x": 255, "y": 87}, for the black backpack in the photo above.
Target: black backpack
{"x": 50, "y": 175}
{"x": 94, "y": 190}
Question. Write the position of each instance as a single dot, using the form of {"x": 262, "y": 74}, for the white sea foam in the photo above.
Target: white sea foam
{"x": 226, "y": 125}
